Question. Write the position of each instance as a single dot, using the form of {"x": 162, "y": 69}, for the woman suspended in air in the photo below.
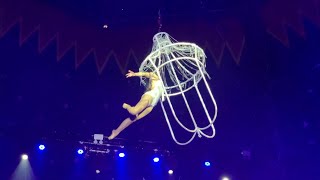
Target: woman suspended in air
{"x": 146, "y": 104}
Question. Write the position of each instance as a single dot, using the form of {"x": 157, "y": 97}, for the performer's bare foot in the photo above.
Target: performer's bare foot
{"x": 125, "y": 106}
{"x": 113, "y": 135}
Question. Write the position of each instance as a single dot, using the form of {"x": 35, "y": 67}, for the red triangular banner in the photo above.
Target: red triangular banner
{"x": 233, "y": 33}
{"x": 27, "y": 28}
{"x": 274, "y": 20}
{"x": 123, "y": 44}
{"x": 9, "y": 16}
{"x": 101, "y": 57}
{"x": 215, "y": 44}
{"x": 311, "y": 10}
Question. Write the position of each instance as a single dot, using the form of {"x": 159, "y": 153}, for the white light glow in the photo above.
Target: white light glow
{"x": 24, "y": 156}
{"x": 225, "y": 178}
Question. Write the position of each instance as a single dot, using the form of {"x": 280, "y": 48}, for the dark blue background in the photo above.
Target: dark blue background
{"x": 268, "y": 104}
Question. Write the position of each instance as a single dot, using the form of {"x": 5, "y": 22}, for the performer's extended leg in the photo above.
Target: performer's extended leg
{"x": 127, "y": 122}
{"x": 140, "y": 106}
{"x": 144, "y": 113}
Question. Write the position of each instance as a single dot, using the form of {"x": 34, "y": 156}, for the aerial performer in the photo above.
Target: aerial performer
{"x": 173, "y": 69}
{"x": 146, "y": 104}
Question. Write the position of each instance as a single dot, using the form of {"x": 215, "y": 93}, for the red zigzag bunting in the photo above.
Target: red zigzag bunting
{"x": 278, "y": 15}
{"x": 228, "y": 32}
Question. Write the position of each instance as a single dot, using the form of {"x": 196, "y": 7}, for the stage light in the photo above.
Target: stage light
{"x": 225, "y": 178}
{"x": 24, "y": 157}
{"x": 42, "y": 147}
{"x": 97, "y": 171}
{"x": 170, "y": 171}
{"x": 156, "y": 159}
{"x": 207, "y": 163}
{"x": 80, "y": 151}
{"x": 121, "y": 155}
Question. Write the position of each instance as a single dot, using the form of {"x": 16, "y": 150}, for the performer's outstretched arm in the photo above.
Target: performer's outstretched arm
{"x": 150, "y": 75}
